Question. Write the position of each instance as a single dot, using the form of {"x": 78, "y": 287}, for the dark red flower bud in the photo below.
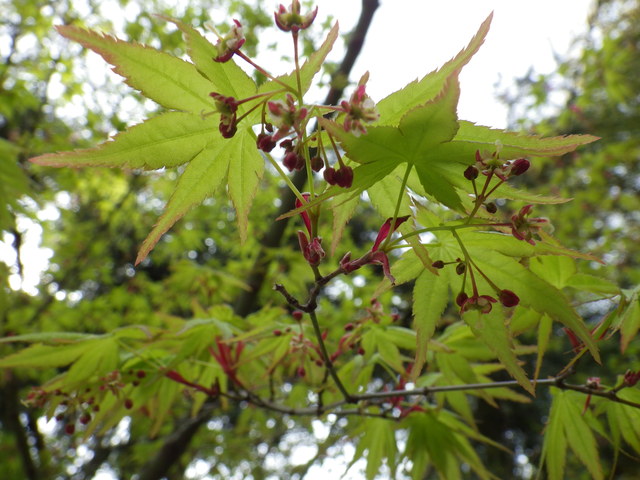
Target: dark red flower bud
{"x": 491, "y": 207}
{"x": 631, "y": 378}
{"x": 330, "y": 175}
{"x": 277, "y": 333}
{"x": 297, "y": 315}
{"x": 316, "y": 164}
{"x": 461, "y": 268}
{"x": 128, "y": 403}
{"x": 141, "y": 374}
{"x": 344, "y": 177}
{"x": 438, "y": 264}
{"x": 361, "y": 351}
{"x": 508, "y": 298}
{"x": 348, "y": 327}
{"x": 228, "y": 129}
{"x": 265, "y": 142}
{"x": 291, "y": 161}
{"x": 471, "y": 173}
{"x": 301, "y": 372}
{"x": 461, "y": 298}
{"x": 520, "y": 166}
{"x": 85, "y": 418}
{"x": 69, "y": 428}
{"x": 287, "y": 145}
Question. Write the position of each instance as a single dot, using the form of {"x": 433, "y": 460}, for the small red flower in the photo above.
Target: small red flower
{"x": 230, "y": 43}
{"x": 481, "y": 303}
{"x": 360, "y": 109}
{"x": 290, "y": 19}
{"x": 524, "y": 228}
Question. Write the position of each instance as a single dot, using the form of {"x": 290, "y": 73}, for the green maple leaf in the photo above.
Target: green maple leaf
{"x": 178, "y": 137}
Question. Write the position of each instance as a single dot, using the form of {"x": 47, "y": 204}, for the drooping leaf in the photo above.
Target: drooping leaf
{"x": 554, "y": 447}
{"x": 45, "y": 356}
{"x": 430, "y": 297}
{"x": 514, "y": 145}
{"x": 245, "y": 172}
{"x": 167, "y": 80}
{"x": 168, "y": 140}
{"x": 579, "y": 435}
{"x": 201, "y": 178}
{"x": 630, "y": 322}
{"x": 491, "y": 329}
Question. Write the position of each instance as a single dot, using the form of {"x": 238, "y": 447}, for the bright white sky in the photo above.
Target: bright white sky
{"x": 410, "y": 38}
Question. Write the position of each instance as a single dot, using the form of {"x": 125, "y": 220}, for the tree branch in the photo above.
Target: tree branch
{"x": 247, "y": 300}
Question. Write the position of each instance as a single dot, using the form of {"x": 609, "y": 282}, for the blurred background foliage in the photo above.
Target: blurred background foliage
{"x": 56, "y": 97}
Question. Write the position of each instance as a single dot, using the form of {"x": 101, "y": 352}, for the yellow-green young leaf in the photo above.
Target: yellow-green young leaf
{"x": 430, "y": 297}
{"x": 544, "y": 333}
{"x": 414, "y": 141}
{"x": 513, "y": 145}
{"x": 379, "y": 443}
{"x": 579, "y": 435}
{"x": 167, "y": 80}
{"x": 48, "y": 337}
{"x": 624, "y": 419}
{"x": 384, "y": 194}
{"x": 45, "y": 356}
{"x": 245, "y": 171}
{"x": 200, "y": 179}
{"x": 167, "y": 140}
{"x": 630, "y": 322}
{"x": 227, "y": 78}
{"x": 387, "y": 350}
{"x": 554, "y": 269}
{"x": 591, "y": 283}
{"x": 341, "y": 215}
{"x": 100, "y": 358}
{"x": 491, "y": 329}
{"x": 393, "y": 107}
{"x": 554, "y": 447}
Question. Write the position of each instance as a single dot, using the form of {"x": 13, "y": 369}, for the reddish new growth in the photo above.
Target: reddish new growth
{"x": 375, "y": 255}
{"x": 311, "y": 247}
{"x": 228, "y": 356}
